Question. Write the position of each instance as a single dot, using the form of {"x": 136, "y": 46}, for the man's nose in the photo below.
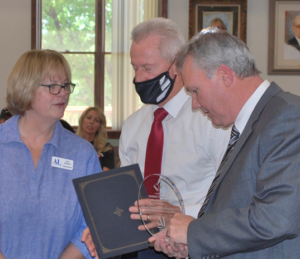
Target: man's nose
{"x": 139, "y": 76}
{"x": 195, "y": 103}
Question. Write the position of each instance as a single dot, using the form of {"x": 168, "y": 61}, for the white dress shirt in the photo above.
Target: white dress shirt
{"x": 193, "y": 148}
{"x": 246, "y": 111}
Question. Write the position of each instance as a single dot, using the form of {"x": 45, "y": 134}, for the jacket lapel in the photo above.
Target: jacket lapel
{"x": 272, "y": 90}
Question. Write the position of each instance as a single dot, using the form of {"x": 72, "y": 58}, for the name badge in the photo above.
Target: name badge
{"x": 62, "y": 163}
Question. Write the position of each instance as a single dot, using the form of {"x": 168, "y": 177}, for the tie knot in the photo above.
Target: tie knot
{"x": 160, "y": 114}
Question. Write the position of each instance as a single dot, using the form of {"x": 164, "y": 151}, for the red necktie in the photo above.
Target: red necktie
{"x": 154, "y": 151}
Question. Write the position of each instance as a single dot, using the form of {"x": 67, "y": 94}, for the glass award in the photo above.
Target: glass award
{"x": 163, "y": 204}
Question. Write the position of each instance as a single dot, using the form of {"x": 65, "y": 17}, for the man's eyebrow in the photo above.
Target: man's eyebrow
{"x": 143, "y": 65}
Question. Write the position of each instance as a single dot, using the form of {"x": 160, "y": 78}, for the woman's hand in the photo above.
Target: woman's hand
{"x": 87, "y": 239}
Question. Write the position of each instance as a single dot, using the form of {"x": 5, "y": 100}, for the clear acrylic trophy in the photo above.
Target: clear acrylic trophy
{"x": 159, "y": 209}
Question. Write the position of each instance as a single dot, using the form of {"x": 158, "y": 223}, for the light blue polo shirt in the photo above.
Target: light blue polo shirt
{"x": 39, "y": 210}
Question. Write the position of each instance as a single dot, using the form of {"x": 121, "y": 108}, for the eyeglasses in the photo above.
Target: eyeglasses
{"x": 56, "y": 88}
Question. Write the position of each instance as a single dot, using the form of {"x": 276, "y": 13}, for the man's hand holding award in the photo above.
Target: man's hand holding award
{"x": 164, "y": 200}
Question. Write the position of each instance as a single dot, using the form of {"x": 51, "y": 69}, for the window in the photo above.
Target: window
{"x": 82, "y": 31}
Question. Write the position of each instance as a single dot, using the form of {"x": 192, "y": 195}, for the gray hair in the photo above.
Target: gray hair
{"x": 171, "y": 38}
{"x": 212, "y": 48}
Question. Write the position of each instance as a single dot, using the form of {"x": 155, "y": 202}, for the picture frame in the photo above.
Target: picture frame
{"x": 283, "y": 54}
{"x": 233, "y": 14}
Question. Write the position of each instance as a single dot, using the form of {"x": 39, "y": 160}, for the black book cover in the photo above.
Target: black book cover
{"x": 105, "y": 199}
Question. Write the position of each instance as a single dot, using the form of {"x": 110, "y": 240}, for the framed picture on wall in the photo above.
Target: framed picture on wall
{"x": 230, "y": 15}
{"x": 284, "y": 37}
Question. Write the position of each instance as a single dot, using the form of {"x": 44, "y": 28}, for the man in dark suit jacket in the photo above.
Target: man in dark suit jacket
{"x": 253, "y": 210}
{"x": 296, "y": 28}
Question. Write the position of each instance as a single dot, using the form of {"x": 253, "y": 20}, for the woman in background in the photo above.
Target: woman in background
{"x": 92, "y": 127}
{"x": 40, "y": 216}
{"x": 4, "y": 116}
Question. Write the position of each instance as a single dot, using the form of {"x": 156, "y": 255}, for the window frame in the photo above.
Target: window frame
{"x": 99, "y": 49}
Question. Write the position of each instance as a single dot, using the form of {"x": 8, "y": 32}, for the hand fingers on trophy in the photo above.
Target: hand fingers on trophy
{"x": 183, "y": 250}
{"x": 146, "y": 217}
{"x": 182, "y": 254}
{"x": 152, "y": 224}
{"x": 135, "y": 216}
{"x": 149, "y": 210}
{"x": 150, "y": 218}
{"x": 144, "y": 202}
{"x": 161, "y": 245}
{"x": 174, "y": 246}
{"x": 171, "y": 252}
{"x": 167, "y": 238}
{"x": 147, "y": 226}
{"x": 142, "y": 227}
{"x": 152, "y": 239}
{"x": 134, "y": 209}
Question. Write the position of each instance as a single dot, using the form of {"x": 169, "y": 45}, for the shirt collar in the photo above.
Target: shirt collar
{"x": 249, "y": 106}
{"x": 10, "y": 132}
{"x": 175, "y": 104}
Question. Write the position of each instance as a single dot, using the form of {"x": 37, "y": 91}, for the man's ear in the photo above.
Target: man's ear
{"x": 173, "y": 70}
{"x": 226, "y": 75}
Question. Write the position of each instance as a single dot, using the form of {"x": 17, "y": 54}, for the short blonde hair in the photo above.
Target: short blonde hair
{"x": 28, "y": 73}
{"x": 100, "y": 139}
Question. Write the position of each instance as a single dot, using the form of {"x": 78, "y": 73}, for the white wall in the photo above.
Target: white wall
{"x": 15, "y": 31}
{"x": 257, "y": 37}
{"x": 15, "y": 39}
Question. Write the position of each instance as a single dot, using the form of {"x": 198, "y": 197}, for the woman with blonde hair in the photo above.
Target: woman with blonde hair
{"x": 40, "y": 216}
{"x": 92, "y": 127}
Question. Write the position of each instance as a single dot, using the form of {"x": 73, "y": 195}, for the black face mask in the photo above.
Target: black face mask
{"x": 155, "y": 90}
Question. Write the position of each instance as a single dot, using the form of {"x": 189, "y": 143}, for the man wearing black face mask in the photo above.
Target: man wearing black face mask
{"x": 192, "y": 148}
{"x": 155, "y": 90}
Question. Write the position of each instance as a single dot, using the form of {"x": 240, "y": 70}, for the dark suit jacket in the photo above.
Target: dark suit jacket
{"x": 293, "y": 42}
{"x": 254, "y": 211}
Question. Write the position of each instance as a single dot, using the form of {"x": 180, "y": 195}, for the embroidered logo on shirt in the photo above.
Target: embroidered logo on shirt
{"x": 62, "y": 163}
